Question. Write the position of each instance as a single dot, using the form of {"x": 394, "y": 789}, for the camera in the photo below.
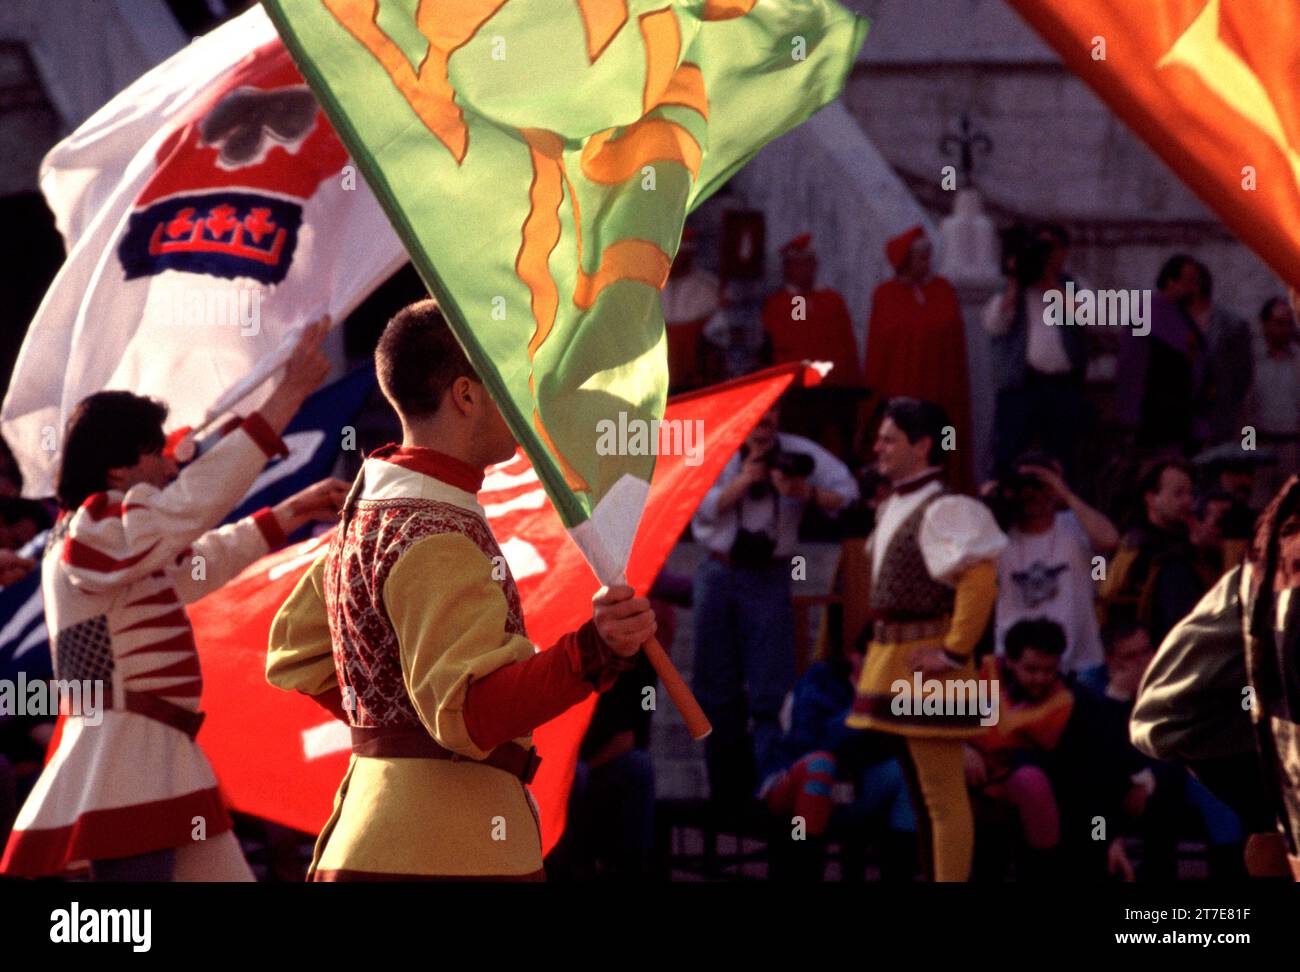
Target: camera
{"x": 1007, "y": 497}
{"x": 792, "y": 464}
{"x": 752, "y": 549}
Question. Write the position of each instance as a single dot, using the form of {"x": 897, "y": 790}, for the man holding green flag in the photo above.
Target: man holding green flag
{"x": 439, "y": 682}
{"x": 538, "y": 161}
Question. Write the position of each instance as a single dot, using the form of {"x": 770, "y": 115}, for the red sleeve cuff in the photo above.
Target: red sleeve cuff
{"x": 267, "y": 440}
{"x": 272, "y": 532}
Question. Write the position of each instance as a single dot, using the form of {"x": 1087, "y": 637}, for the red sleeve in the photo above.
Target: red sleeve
{"x": 517, "y": 698}
{"x": 1047, "y": 728}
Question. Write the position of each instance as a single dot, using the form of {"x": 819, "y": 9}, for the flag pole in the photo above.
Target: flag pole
{"x": 697, "y": 723}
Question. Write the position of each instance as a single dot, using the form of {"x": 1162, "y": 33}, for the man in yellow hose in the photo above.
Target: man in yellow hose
{"x": 933, "y": 583}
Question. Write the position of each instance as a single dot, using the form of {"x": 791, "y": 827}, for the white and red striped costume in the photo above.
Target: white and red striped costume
{"x": 115, "y": 577}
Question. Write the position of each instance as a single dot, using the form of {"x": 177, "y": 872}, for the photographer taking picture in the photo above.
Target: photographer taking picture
{"x": 1046, "y": 569}
{"x": 748, "y": 524}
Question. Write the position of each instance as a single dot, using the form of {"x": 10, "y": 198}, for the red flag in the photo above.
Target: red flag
{"x": 1213, "y": 86}
{"x": 279, "y": 757}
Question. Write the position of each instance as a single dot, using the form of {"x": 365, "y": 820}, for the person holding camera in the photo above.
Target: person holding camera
{"x": 748, "y": 525}
{"x": 1040, "y": 366}
{"x": 1046, "y": 570}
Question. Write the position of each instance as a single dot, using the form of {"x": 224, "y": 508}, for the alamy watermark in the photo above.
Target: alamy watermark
{"x": 1098, "y": 308}
{"x": 236, "y": 307}
{"x": 652, "y": 437}
{"x": 946, "y": 697}
{"x": 51, "y": 696}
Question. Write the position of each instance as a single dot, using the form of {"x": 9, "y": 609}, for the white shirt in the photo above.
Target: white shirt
{"x": 890, "y": 516}
{"x": 1044, "y": 347}
{"x": 956, "y": 531}
{"x": 1049, "y": 575}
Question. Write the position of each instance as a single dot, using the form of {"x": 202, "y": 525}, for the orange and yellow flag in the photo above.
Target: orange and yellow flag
{"x": 1213, "y": 86}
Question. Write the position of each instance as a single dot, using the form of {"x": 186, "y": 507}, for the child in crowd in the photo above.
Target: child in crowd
{"x": 1010, "y": 764}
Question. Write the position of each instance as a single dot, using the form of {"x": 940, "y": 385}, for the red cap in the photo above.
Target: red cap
{"x": 801, "y": 245}
{"x": 896, "y": 250}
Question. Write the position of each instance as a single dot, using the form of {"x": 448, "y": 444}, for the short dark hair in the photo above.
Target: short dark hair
{"x": 418, "y": 359}
{"x": 1152, "y": 471}
{"x": 918, "y": 419}
{"x": 1040, "y": 634}
{"x": 1172, "y": 269}
{"x": 1266, "y": 311}
{"x": 107, "y": 430}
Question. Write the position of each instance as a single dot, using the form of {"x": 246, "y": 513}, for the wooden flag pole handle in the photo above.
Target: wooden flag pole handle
{"x": 696, "y": 722}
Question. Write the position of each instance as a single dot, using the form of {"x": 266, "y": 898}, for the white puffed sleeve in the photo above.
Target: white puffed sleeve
{"x": 956, "y": 533}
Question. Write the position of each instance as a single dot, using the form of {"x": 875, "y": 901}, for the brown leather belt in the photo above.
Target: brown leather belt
{"x": 894, "y": 632}
{"x": 399, "y": 743}
{"x": 186, "y": 720}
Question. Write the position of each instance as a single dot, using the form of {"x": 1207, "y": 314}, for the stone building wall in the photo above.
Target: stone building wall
{"x": 1058, "y": 152}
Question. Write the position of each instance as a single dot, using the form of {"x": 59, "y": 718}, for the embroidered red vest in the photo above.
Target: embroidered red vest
{"x": 366, "y": 653}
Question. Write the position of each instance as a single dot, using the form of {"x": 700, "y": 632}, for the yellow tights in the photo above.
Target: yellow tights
{"x": 945, "y": 824}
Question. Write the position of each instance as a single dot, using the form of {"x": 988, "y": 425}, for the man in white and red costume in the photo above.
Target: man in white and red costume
{"x": 133, "y": 795}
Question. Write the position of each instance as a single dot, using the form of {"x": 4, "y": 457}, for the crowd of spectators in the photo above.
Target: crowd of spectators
{"x": 1197, "y": 419}
{"x": 1102, "y": 560}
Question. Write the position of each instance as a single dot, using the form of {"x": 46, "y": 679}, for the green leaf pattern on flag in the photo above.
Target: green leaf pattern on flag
{"x": 538, "y": 160}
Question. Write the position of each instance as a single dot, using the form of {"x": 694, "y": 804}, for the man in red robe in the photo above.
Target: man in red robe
{"x": 804, "y": 322}
{"x": 916, "y": 343}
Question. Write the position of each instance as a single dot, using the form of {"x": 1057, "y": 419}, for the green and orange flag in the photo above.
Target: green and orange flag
{"x": 538, "y": 160}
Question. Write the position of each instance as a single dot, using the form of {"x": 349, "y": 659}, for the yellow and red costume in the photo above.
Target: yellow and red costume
{"x": 933, "y": 584}
{"x": 1024, "y": 725}
{"x": 411, "y": 627}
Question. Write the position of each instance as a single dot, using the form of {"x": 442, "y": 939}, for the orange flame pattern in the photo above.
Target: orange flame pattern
{"x": 447, "y": 25}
